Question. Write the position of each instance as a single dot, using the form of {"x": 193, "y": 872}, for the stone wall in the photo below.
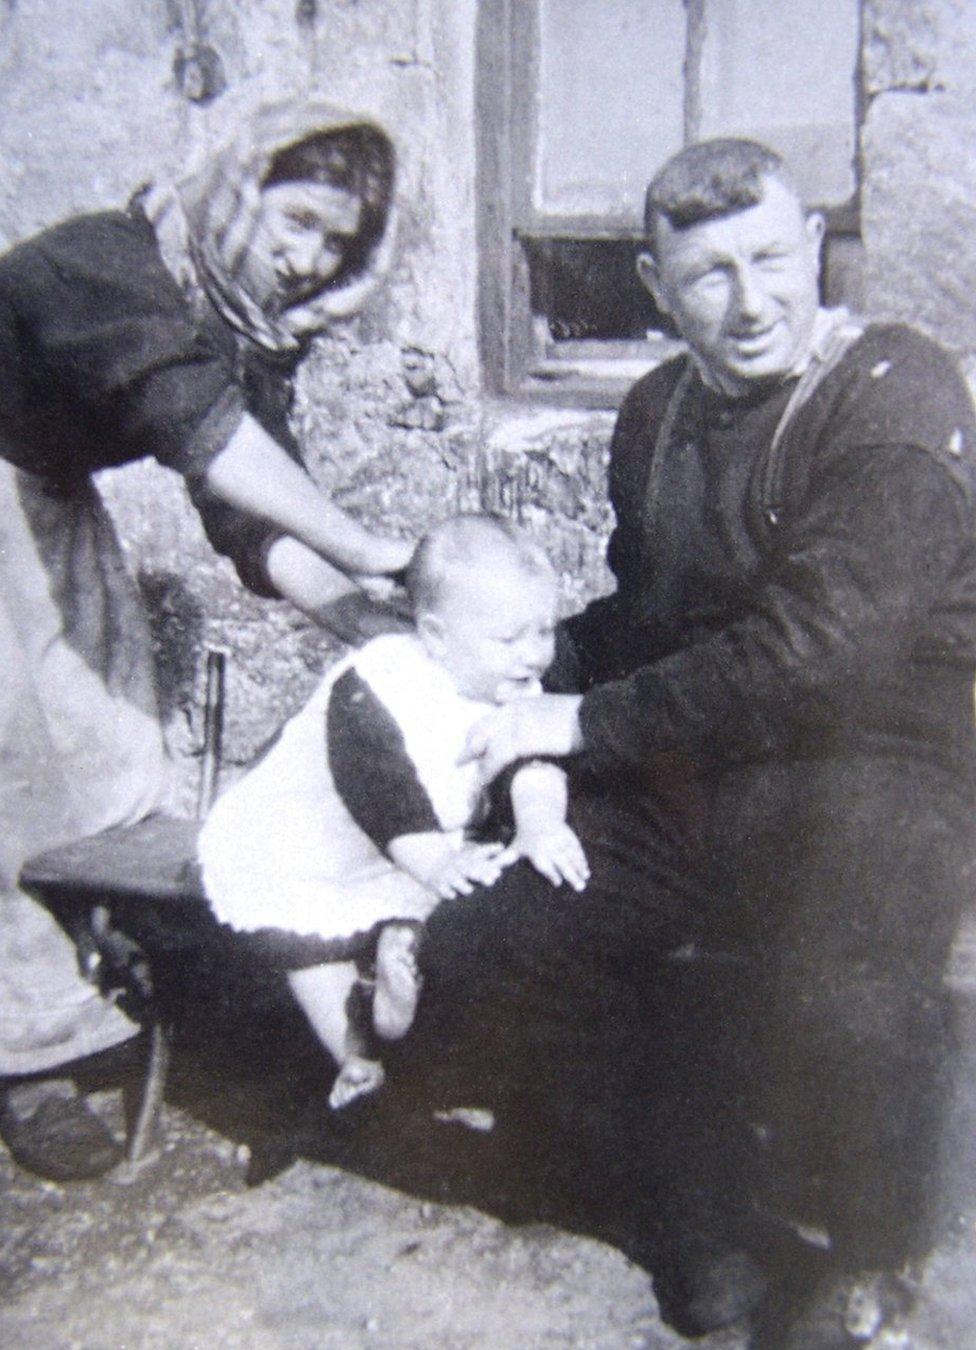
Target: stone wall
{"x": 919, "y": 170}
{"x": 96, "y": 98}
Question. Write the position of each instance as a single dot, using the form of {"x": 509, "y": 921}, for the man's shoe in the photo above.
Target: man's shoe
{"x": 843, "y": 1312}
{"x": 706, "y": 1290}
{"x": 60, "y": 1139}
{"x": 725, "y": 1291}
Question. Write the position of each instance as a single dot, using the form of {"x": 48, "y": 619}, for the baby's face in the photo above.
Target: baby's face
{"x": 494, "y": 632}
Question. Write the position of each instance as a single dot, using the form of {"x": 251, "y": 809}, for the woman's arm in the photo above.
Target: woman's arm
{"x": 254, "y": 473}
{"x": 330, "y": 597}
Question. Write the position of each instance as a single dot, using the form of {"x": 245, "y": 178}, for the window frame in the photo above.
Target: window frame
{"x": 511, "y": 337}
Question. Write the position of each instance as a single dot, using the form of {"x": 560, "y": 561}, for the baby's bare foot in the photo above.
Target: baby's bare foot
{"x": 397, "y": 981}
{"x": 356, "y": 1078}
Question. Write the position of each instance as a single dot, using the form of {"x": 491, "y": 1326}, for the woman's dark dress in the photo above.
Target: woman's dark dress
{"x": 102, "y": 361}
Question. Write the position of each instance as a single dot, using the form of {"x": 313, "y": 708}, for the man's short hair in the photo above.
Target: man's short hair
{"x": 469, "y": 542}
{"x": 708, "y": 180}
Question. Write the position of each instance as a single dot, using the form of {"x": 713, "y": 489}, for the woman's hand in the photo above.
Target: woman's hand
{"x": 547, "y": 725}
{"x": 354, "y": 609}
{"x": 387, "y": 591}
{"x": 384, "y": 558}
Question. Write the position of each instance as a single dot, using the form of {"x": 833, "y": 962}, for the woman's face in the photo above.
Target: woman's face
{"x": 299, "y": 242}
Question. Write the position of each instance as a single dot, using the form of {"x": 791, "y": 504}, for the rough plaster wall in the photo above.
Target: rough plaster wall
{"x": 919, "y": 169}
{"x": 95, "y": 99}
{"x": 84, "y": 107}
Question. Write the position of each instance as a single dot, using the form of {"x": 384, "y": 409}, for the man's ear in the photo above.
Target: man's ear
{"x": 651, "y": 279}
{"x": 815, "y": 226}
{"x": 430, "y": 630}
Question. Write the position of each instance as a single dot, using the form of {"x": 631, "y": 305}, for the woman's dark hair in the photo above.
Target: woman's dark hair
{"x": 358, "y": 160}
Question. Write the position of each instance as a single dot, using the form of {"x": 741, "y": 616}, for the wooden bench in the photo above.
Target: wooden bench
{"x": 126, "y": 895}
{"x": 130, "y": 896}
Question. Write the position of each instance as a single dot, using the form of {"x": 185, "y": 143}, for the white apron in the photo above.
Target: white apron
{"x": 80, "y": 746}
{"x": 280, "y": 850}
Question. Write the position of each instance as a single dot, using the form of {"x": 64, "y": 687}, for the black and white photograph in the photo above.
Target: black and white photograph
{"x": 488, "y": 674}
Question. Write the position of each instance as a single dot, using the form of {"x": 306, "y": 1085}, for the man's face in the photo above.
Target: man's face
{"x": 494, "y": 631}
{"x": 742, "y": 289}
{"x": 299, "y": 242}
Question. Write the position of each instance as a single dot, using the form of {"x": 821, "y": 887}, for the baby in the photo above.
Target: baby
{"x": 360, "y": 818}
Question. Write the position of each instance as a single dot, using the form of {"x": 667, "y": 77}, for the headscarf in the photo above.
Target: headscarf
{"x": 208, "y": 220}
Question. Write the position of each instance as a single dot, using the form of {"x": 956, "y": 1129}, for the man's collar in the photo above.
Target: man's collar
{"x": 826, "y": 323}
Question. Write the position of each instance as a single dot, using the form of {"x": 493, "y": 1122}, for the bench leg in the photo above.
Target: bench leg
{"x": 143, "y": 1135}
{"x": 102, "y": 945}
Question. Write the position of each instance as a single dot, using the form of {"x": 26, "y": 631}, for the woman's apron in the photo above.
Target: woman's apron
{"x": 80, "y": 746}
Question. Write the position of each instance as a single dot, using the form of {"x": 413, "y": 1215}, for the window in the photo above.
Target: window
{"x": 579, "y": 102}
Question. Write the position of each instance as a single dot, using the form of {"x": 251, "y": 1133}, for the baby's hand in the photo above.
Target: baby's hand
{"x": 555, "y": 852}
{"x": 470, "y": 865}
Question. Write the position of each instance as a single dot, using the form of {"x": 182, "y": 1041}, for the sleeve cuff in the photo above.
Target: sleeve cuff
{"x": 607, "y": 721}
{"x": 212, "y": 435}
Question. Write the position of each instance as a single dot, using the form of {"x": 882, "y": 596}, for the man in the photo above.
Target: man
{"x": 790, "y": 646}
{"x": 172, "y": 329}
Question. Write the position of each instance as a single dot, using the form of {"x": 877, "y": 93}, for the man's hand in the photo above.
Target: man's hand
{"x": 472, "y": 865}
{"x": 547, "y": 725}
{"x": 556, "y": 852}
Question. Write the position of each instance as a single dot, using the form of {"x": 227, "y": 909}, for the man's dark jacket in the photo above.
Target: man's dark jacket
{"x": 796, "y": 631}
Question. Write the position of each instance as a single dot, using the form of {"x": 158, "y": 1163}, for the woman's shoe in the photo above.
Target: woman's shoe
{"x": 58, "y": 1137}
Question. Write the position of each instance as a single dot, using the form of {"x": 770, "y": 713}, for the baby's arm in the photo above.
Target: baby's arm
{"x": 379, "y": 786}
{"x": 539, "y": 801}
{"x": 447, "y": 863}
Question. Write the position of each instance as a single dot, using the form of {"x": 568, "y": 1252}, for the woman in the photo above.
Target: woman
{"x": 171, "y": 329}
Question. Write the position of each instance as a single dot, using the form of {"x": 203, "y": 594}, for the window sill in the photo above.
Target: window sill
{"x": 579, "y": 374}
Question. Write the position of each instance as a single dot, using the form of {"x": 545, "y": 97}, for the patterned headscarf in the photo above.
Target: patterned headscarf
{"x": 211, "y": 215}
